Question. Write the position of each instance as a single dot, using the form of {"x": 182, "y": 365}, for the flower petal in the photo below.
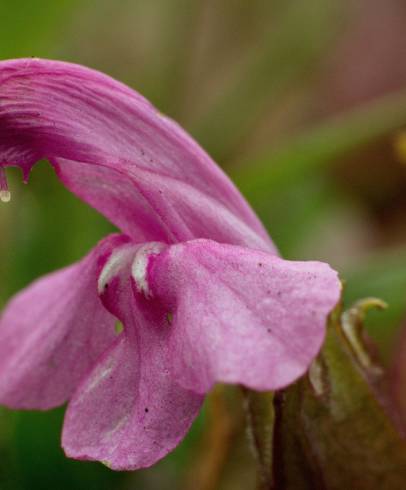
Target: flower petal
{"x": 52, "y": 332}
{"x": 68, "y": 113}
{"x": 241, "y": 316}
{"x": 129, "y": 412}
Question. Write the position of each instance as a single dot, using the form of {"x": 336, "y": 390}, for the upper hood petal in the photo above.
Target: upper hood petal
{"x": 68, "y": 113}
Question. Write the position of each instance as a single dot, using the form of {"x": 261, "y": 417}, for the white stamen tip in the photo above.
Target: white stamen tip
{"x": 139, "y": 267}
{"x": 5, "y": 195}
{"x": 115, "y": 263}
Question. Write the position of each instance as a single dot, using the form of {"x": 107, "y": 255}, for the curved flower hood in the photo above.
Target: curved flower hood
{"x": 113, "y": 149}
{"x": 194, "y": 277}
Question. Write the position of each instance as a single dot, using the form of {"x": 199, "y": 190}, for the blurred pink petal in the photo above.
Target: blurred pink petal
{"x": 52, "y": 332}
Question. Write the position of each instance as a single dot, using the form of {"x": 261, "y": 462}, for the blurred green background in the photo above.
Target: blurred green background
{"x": 302, "y": 102}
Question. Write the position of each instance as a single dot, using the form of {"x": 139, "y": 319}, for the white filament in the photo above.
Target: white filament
{"x": 140, "y": 265}
{"x": 117, "y": 260}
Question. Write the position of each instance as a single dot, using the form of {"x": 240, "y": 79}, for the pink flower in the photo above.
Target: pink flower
{"x": 194, "y": 278}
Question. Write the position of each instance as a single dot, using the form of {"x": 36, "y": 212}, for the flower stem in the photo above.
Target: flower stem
{"x": 260, "y": 416}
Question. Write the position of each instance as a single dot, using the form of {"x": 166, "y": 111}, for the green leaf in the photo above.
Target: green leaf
{"x": 333, "y": 429}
